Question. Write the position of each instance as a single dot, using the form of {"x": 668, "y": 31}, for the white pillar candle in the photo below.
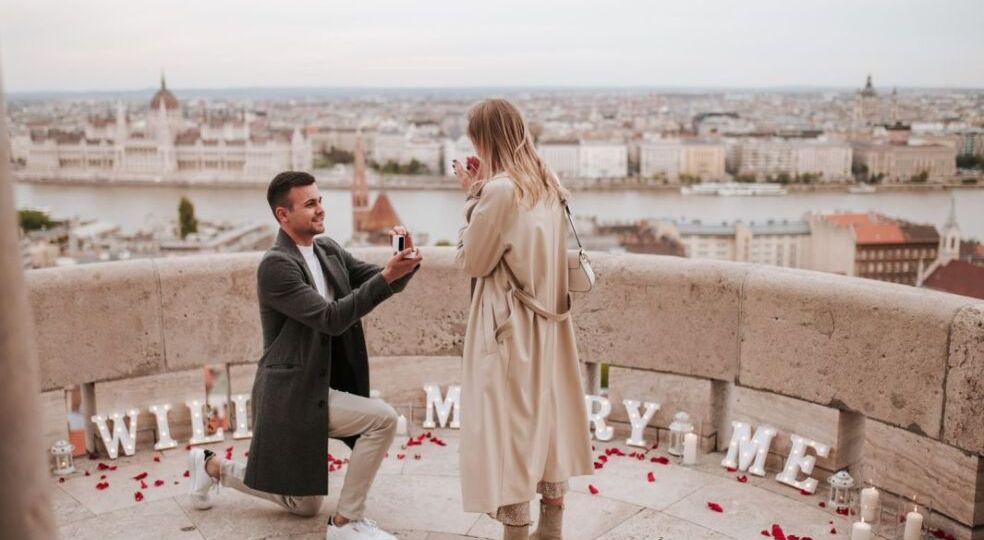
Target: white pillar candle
{"x": 869, "y": 504}
{"x": 861, "y": 531}
{"x": 690, "y": 449}
{"x": 401, "y": 425}
{"x": 913, "y": 526}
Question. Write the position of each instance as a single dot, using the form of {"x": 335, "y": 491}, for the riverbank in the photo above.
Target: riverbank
{"x": 442, "y": 183}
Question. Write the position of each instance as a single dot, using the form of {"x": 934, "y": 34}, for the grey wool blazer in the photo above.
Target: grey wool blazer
{"x": 309, "y": 345}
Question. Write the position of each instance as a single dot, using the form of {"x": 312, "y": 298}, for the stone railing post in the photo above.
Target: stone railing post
{"x": 25, "y": 503}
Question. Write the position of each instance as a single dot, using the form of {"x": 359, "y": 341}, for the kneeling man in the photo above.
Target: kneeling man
{"x": 312, "y": 381}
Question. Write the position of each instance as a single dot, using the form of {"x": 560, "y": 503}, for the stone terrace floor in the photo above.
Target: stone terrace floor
{"x": 418, "y": 499}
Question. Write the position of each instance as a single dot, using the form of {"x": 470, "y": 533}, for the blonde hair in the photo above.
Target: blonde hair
{"x": 504, "y": 144}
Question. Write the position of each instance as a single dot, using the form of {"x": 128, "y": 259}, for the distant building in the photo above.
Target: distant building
{"x": 369, "y": 225}
{"x": 673, "y": 158}
{"x": 603, "y": 159}
{"x": 871, "y": 245}
{"x": 774, "y": 242}
{"x": 897, "y": 163}
{"x": 562, "y": 156}
{"x": 771, "y": 158}
{"x": 166, "y": 146}
{"x": 959, "y": 266}
{"x": 245, "y": 237}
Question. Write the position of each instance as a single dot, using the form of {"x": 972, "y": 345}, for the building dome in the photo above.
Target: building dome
{"x": 164, "y": 96}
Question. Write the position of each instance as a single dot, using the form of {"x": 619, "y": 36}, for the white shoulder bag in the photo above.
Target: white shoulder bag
{"x": 580, "y": 275}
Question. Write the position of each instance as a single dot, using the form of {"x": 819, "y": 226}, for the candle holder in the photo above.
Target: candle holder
{"x": 841, "y": 492}
{"x": 912, "y": 519}
{"x": 62, "y": 460}
{"x": 679, "y": 428}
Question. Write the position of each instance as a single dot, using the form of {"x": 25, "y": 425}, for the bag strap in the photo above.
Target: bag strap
{"x": 567, "y": 210}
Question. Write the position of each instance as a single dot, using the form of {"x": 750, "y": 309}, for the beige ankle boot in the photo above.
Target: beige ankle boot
{"x": 551, "y": 523}
{"x": 510, "y": 532}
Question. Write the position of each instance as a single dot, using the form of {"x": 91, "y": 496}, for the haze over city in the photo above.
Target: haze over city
{"x": 118, "y": 45}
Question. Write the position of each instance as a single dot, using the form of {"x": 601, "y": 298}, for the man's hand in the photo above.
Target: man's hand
{"x": 400, "y": 265}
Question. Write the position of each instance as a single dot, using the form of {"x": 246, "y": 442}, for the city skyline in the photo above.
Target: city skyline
{"x": 711, "y": 44}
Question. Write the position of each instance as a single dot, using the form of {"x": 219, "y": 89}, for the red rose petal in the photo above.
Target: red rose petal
{"x": 416, "y": 456}
{"x": 833, "y": 530}
{"x": 102, "y": 485}
{"x": 592, "y": 489}
{"x": 87, "y": 473}
{"x": 102, "y": 466}
{"x": 61, "y": 480}
{"x": 822, "y": 504}
{"x": 743, "y": 479}
{"x": 140, "y": 476}
{"x": 138, "y": 496}
{"x": 401, "y": 456}
{"x": 187, "y": 474}
{"x": 842, "y": 511}
{"x": 662, "y": 460}
{"x": 158, "y": 483}
{"x": 112, "y": 468}
{"x": 188, "y": 447}
{"x": 715, "y": 507}
{"x": 157, "y": 459}
{"x": 732, "y": 469}
{"x": 765, "y": 533}
{"x": 805, "y": 492}
{"x": 651, "y": 477}
{"x": 598, "y": 465}
{"x": 102, "y": 476}
{"x": 777, "y": 532}
{"x": 143, "y": 485}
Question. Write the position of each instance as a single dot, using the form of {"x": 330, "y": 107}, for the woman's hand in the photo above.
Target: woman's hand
{"x": 467, "y": 173}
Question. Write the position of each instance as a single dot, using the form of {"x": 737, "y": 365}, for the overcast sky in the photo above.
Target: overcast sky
{"x": 124, "y": 44}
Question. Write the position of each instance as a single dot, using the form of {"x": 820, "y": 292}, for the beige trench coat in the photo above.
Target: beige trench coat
{"x": 522, "y": 401}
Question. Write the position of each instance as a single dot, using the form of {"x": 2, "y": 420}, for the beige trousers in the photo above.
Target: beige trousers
{"x": 375, "y": 423}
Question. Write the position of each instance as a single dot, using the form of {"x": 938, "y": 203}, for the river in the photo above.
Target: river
{"x": 438, "y": 212}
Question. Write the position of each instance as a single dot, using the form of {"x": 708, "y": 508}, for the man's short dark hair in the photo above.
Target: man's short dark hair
{"x": 280, "y": 186}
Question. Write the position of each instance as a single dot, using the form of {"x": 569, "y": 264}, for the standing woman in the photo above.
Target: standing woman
{"x": 525, "y": 429}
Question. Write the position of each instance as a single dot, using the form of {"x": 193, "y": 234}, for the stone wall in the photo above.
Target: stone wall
{"x": 888, "y": 375}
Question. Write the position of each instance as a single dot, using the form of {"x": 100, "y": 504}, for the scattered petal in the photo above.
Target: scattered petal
{"x": 662, "y": 460}
{"x": 138, "y": 496}
{"x": 140, "y": 476}
{"x": 732, "y": 469}
{"x": 833, "y": 530}
{"x": 598, "y": 465}
{"x": 805, "y": 492}
{"x": 187, "y": 474}
{"x": 651, "y": 477}
{"x": 157, "y": 459}
{"x": 61, "y": 480}
{"x": 158, "y": 483}
{"x": 401, "y": 456}
{"x": 102, "y": 466}
{"x": 102, "y": 485}
{"x": 777, "y": 532}
{"x": 822, "y": 504}
{"x": 765, "y": 533}
{"x": 143, "y": 485}
{"x": 592, "y": 489}
{"x": 715, "y": 507}
{"x": 742, "y": 478}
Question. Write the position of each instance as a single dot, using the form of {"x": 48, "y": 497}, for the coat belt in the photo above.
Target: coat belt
{"x": 536, "y": 307}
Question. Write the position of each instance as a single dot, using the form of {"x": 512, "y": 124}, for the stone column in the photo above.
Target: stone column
{"x": 25, "y": 503}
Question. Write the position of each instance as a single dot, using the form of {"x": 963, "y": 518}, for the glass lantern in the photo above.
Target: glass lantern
{"x": 841, "y": 489}
{"x": 61, "y": 455}
{"x": 679, "y": 428}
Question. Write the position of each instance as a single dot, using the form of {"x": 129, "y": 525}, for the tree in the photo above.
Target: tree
{"x": 33, "y": 220}
{"x": 920, "y": 178}
{"x": 970, "y": 161}
{"x": 187, "y": 223}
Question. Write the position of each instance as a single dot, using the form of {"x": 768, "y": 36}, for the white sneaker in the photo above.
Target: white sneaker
{"x": 363, "y": 529}
{"x": 201, "y": 483}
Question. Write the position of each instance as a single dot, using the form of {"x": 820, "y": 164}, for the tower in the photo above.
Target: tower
{"x": 360, "y": 186}
{"x": 950, "y": 239}
{"x": 895, "y": 106}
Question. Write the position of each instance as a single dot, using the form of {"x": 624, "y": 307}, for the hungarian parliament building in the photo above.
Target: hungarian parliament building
{"x": 167, "y": 146}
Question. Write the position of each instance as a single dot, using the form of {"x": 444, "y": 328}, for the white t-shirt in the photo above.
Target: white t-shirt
{"x": 315, "y": 267}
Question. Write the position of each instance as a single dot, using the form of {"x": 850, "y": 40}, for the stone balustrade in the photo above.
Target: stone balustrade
{"x": 891, "y": 376}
